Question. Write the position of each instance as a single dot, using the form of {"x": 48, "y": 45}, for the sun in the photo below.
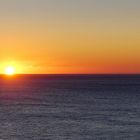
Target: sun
{"x": 9, "y": 70}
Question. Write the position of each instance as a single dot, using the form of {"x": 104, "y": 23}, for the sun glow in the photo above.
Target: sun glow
{"x": 10, "y": 70}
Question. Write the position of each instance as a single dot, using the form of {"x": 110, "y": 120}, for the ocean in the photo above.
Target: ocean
{"x": 70, "y": 107}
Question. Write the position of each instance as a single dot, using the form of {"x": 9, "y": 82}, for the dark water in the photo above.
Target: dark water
{"x": 62, "y": 107}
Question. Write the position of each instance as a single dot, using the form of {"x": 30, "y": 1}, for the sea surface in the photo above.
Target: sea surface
{"x": 70, "y": 107}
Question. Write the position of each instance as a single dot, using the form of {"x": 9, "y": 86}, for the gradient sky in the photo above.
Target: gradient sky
{"x": 70, "y": 36}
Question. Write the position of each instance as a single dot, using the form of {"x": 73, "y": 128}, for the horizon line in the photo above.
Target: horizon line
{"x": 75, "y": 74}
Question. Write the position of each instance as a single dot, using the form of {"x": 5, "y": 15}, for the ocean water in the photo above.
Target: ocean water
{"x": 70, "y": 107}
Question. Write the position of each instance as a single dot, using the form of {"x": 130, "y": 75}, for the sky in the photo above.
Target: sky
{"x": 70, "y": 36}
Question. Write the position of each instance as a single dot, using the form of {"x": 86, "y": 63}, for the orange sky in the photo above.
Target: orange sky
{"x": 76, "y": 36}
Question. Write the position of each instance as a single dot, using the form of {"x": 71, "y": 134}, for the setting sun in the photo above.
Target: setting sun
{"x": 10, "y": 70}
